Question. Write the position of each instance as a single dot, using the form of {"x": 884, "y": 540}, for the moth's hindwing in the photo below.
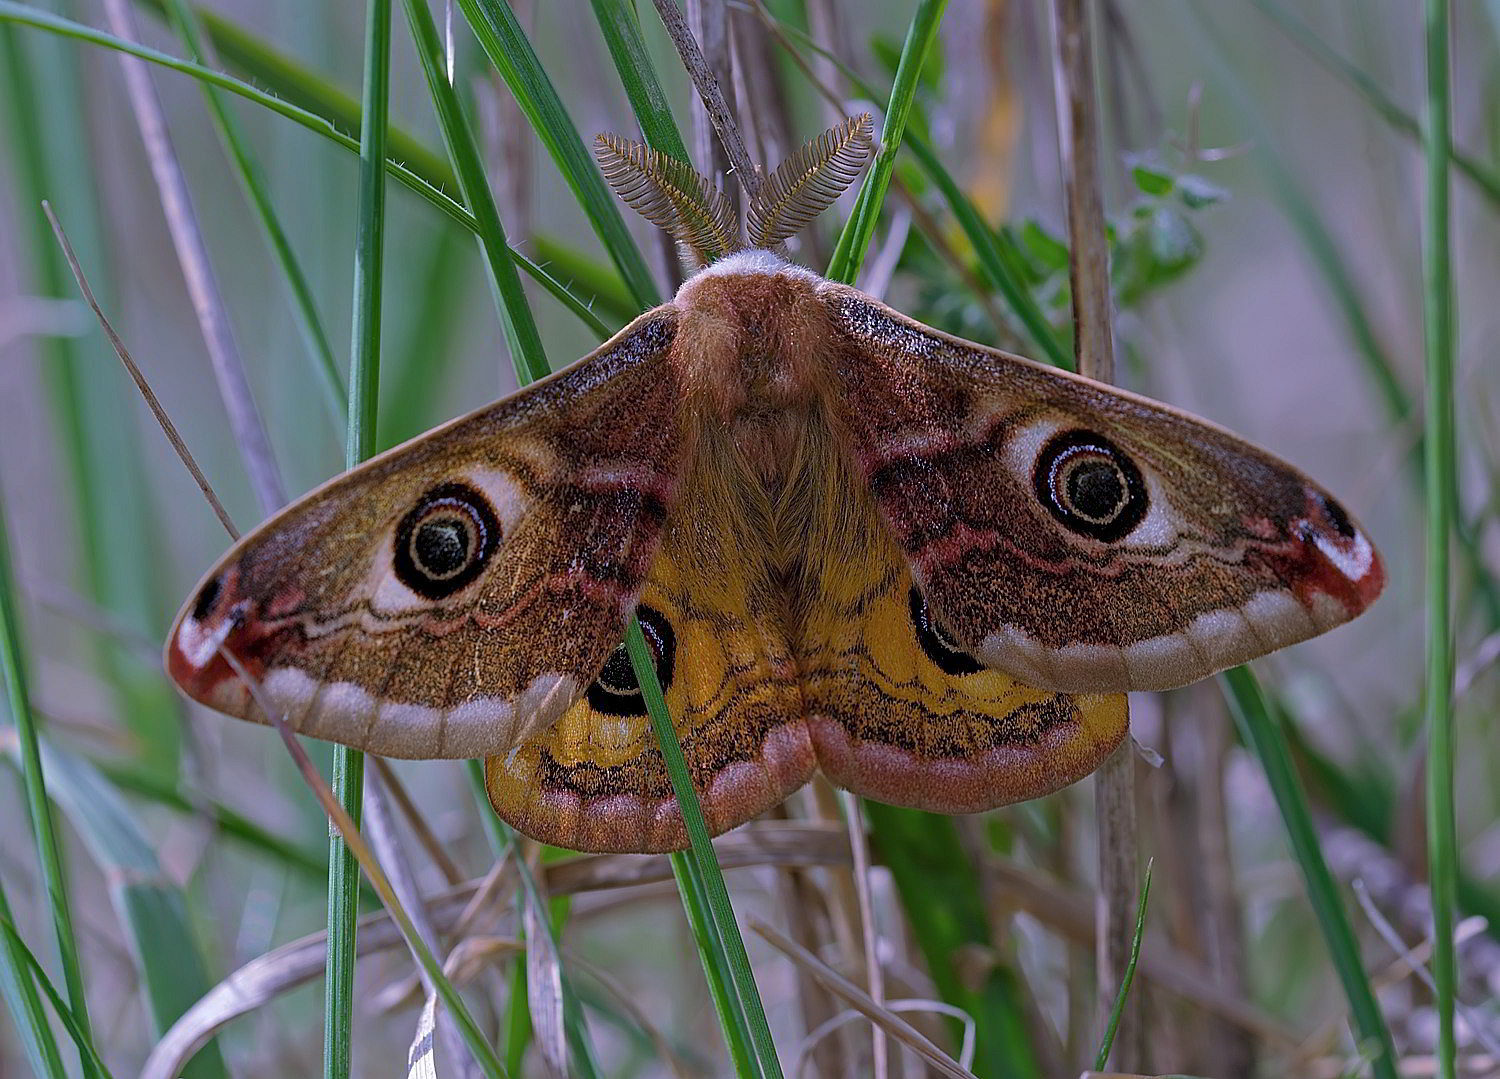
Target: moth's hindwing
{"x": 596, "y": 780}
{"x": 1078, "y": 536}
{"x": 898, "y": 710}
{"x": 453, "y": 595}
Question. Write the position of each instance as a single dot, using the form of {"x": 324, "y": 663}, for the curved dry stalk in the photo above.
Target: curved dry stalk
{"x": 858, "y": 999}
{"x": 807, "y": 182}
{"x": 672, "y": 195}
{"x": 268, "y": 976}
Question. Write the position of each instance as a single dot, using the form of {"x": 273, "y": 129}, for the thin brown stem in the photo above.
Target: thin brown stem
{"x": 859, "y": 850}
{"x": 416, "y": 821}
{"x": 712, "y": 94}
{"x": 1093, "y": 342}
{"x": 165, "y": 422}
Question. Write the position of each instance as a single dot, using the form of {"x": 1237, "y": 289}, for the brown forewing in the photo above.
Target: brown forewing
{"x": 579, "y": 492}
{"x": 1238, "y": 552}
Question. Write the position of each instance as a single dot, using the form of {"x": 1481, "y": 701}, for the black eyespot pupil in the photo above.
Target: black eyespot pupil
{"x": 208, "y": 595}
{"x": 616, "y": 691}
{"x": 441, "y": 546}
{"x": 1096, "y": 489}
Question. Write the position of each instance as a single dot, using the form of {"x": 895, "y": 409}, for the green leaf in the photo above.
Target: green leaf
{"x": 151, "y": 908}
{"x": 1049, "y": 252}
{"x": 1151, "y": 179}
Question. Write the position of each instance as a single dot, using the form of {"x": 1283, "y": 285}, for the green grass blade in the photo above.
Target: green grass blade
{"x": 854, "y": 241}
{"x": 248, "y": 171}
{"x": 516, "y": 320}
{"x": 732, "y": 1021}
{"x": 1261, "y": 731}
{"x": 69, "y": 1019}
{"x": 20, "y": 991}
{"x": 709, "y": 890}
{"x": 364, "y": 382}
{"x": 1442, "y": 490}
{"x": 244, "y": 52}
{"x": 1117, "y": 1012}
{"x": 620, "y": 24}
{"x": 495, "y": 25}
{"x": 564, "y": 295}
{"x": 369, "y": 249}
{"x": 41, "y": 90}
{"x": 1485, "y": 178}
{"x": 585, "y": 275}
{"x": 151, "y": 908}
{"x": 44, "y": 828}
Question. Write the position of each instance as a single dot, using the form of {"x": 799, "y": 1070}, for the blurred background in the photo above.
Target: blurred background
{"x": 1263, "y": 181}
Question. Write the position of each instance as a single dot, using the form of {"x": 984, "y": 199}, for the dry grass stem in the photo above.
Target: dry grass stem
{"x": 163, "y": 420}
{"x": 711, "y": 93}
{"x": 1093, "y": 344}
{"x": 417, "y": 821}
{"x": 859, "y": 849}
{"x": 894, "y": 1025}
{"x": 197, "y": 270}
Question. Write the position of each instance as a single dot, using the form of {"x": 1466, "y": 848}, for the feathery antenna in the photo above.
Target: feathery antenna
{"x": 672, "y": 195}
{"x": 808, "y": 181}
{"x": 676, "y": 197}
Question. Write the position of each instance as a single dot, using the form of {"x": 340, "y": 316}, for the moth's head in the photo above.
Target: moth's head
{"x": 698, "y": 213}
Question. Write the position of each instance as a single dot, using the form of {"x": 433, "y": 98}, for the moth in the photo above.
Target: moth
{"x": 854, "y": 543}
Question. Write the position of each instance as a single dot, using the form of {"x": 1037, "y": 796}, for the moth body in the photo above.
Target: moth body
{"x": 854, "y": 544}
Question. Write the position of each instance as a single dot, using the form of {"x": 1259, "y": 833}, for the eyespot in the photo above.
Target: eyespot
{"x": 445, "y": 540}
{"x": 935, "y": 641}
{"x": 616, "y": 691}
{"x": 208, "y": 595}
{"x": 1090, "y": 485}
